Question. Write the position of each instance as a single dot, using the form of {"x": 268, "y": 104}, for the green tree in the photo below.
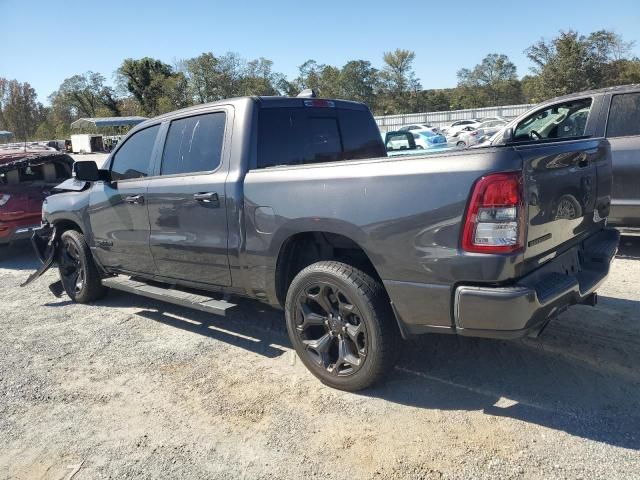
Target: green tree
{"x": 146, "y": 80}
{"x": 174, "y": 93}
{"x": 622, "y": 72}
{"x": 229, "y": 75}
{"x": 494, "y": 81}
{"x": 46, "y": 130}
{"x": 399, "y": 83}
{"x": 572, "y": 62}
{"x": 359, "y": 81}
{"x": 4, "y": 99}
{"x": 22, "y": 113}
{"x": 83, "y": 95}
{"x": 201, "y": 73}
{"x": 260, "y": 79}
{"x": 435, "y": 100}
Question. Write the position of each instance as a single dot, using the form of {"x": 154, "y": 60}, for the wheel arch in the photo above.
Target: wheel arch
{"x": 64, "y": 224}
{"x": 301, "y": 249}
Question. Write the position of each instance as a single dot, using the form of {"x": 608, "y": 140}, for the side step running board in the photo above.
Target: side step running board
{"x": 169, "y": 295}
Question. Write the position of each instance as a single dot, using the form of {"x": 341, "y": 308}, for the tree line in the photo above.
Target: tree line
{"x": 568, "y": 63}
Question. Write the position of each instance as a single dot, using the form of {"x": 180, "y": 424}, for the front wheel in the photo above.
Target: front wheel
{"x": 341, "y": 325}
{"x": 78, "y": 272}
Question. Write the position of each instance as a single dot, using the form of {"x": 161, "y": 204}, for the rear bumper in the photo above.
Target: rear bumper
{"x": 527, "y": 306}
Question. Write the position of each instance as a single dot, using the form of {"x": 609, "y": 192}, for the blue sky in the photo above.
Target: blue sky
{"x": 45, "y": 41}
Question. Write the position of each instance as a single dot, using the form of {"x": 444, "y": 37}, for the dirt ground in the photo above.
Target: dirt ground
{"x": 133, "y": 388}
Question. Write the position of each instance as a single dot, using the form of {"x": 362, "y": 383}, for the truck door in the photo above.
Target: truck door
{"x": 623, "y": 133}
{"x": 117, "y": 210}
{"x": 186, "y": 201}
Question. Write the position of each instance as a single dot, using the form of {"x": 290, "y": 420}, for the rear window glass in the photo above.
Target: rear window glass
{"x": 297, "y": 136}
{"x": 624, "y": 115}
{"x": 194, "y": 144}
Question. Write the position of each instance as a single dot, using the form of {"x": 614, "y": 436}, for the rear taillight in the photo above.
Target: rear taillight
{"x": 494, "y": 215}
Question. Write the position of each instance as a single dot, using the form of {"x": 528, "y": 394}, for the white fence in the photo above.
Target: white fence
{"x": 440, "y": 119}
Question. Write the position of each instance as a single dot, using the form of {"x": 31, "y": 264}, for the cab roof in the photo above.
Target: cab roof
{"x": 261, "y": 101}
{"x": 634, "y": 87}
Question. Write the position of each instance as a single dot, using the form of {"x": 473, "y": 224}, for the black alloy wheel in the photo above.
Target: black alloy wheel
{"x": 72, "y": 272}
{"x": 331, "y": 329}
{"x": 78, "y": 272}
{"x": 341, "y": 325}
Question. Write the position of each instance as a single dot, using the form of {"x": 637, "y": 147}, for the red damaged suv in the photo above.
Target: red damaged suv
{"x": 26, "y": 179}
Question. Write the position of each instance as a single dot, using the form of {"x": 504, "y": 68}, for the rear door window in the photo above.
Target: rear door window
{"x": 194, "y": 144}
{"x": 624, "y": 115}
{"x": 133, "y": 159}
{"x": 297, "y": 136}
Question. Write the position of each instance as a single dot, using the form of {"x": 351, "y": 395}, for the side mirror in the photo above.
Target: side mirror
{"x": 88, "y": 171}
{"x": 405, "y": 138}
{"x": 507, "y": 136}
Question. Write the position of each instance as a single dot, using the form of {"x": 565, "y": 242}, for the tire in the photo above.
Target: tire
{"x": 78, "y": 272}
{"x": 353, "y": 346}
{"x": 461, "y": 144}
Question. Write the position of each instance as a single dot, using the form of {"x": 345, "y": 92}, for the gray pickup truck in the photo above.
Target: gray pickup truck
{"x": 612, "y": 113}
{"x": 293, "y": 201}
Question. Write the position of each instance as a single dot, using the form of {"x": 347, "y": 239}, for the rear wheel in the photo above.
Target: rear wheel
{"x": 78, "y": 272}
{"x": 341, "y": 325}
{"x": 461, "y": 144}
{"x": 568, "y": 208}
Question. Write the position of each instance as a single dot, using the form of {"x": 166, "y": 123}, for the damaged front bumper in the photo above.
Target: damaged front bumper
{"x": 45, "y": 243}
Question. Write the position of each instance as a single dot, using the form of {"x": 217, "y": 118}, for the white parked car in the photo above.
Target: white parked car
{"x": 459, "y": 126}
{"x": 486, "y": 129}
{"x": 419, "y": 127}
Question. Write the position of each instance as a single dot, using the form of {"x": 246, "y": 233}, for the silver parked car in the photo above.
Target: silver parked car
{"x": 485, "y": 130}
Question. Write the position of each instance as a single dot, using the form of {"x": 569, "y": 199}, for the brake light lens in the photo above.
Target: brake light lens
{"x": 4, "y": 198}
{"x": 494, "y": 216}
{"x": 319, "y": 103}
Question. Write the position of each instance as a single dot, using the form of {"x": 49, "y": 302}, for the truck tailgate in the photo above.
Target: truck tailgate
{"x": 567, "y": 193}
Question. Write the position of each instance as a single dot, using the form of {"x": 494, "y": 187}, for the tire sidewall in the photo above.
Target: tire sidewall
{"x": 81, "y": 295}
{"x": 308, "y": 277}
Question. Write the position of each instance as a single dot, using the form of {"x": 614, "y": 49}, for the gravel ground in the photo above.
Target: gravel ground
{"x": 132, "y": 388}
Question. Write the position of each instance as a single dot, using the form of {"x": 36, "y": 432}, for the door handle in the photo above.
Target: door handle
{"x": 207, "y": 197}
{"x": 137, "y": 199}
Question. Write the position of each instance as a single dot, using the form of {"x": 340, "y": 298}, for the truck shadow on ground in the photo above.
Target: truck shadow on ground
{"x": 572, "y": 380}
{"x": 545, "y": 381}
{"x": 252, "y": 325}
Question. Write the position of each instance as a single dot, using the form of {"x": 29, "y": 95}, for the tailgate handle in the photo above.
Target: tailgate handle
{"x": 208, "y": 197}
